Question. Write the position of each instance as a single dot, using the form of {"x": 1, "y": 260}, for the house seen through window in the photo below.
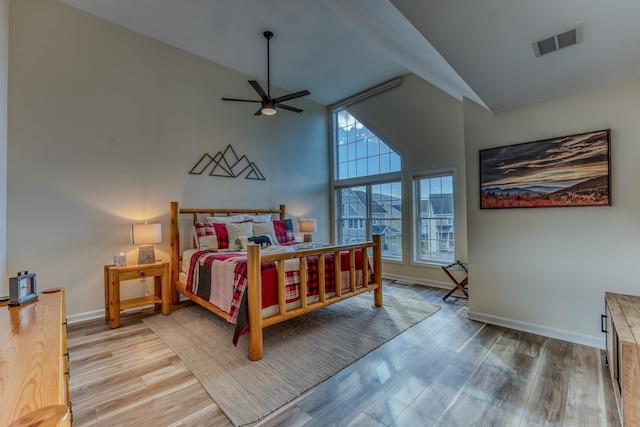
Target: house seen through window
{"x": 368, "y": 188}
{"x": 434, "y": 229}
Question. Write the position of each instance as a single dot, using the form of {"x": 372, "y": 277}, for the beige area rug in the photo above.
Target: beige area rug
{"x": 298, "y": 354}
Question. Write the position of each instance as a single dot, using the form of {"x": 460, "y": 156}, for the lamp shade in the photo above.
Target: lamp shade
{"x": 307, "y": 225}
{"x": 143, "y": 234}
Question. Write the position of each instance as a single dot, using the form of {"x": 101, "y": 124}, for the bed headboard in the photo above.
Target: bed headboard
{"x": 177, "y": 213}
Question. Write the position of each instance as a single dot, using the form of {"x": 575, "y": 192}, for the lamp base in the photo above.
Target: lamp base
{"x": 146, "y": 255}
{"x": 307, "y": 237}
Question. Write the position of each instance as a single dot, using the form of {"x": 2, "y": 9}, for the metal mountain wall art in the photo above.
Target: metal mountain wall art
{"x": 227, "y": 164}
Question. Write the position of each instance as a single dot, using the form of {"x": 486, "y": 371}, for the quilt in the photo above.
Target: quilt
{"x": 221, "y": 279}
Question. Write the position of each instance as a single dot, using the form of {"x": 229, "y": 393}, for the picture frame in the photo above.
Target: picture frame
{"x": 571, "y": 170}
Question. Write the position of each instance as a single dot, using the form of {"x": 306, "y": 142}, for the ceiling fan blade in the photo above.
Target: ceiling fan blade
{"x": 290, "y": 108}
{"x": 292, "y": 96}
{"x": 256, "y": 86}
{"x": 241, "y": 100}
{"x": 259, "y": 112}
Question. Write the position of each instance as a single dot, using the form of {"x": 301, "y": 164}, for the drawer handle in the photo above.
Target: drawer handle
{"x": 603, "y": 322}
{"x": 142, "y": 273}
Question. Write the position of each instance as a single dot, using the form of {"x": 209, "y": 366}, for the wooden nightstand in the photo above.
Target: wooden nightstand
{"x": 113, "y": 275}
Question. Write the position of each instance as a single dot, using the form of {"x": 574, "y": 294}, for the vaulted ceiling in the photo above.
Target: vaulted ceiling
{"x": 482, "y": 50}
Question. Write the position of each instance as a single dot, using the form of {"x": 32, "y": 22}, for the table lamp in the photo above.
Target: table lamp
{"x": 146, "y": 234}
{"x": 307, "y": 226}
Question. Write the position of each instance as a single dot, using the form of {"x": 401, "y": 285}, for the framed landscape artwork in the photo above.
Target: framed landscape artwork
{"x": 566, "y": 171}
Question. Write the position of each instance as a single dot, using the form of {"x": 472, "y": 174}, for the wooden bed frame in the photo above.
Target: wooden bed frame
{"x": 254, "y": 287}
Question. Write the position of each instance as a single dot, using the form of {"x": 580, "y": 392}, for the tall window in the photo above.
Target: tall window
{"x": 435, "y": 220}
{"x": 358, "y": 151}
{"x": 367, "y": 185}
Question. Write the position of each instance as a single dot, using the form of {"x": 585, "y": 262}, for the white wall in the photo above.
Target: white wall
{"x": 546, "y": 269}
{"x": 104, "y": 126}
{"x": 4, "y": 72}
{"x": 425, "y": 126}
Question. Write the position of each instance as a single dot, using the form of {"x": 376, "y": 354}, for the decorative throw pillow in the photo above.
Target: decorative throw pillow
{"x": 222, "y": 235}
{"x": 265, "y": 228}
{"x": 284, "y": 231}
{"x": 208, "y": 243}
{"x": 205, "y": 236}
{"x": 235, "y": 230}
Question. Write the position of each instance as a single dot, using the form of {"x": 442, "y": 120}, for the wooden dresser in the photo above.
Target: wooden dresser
{"x": 34, "y": 363}
{"x": 622, "y": 313}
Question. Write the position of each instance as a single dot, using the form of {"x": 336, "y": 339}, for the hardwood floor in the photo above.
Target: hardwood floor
{"x": 445, "y": 371}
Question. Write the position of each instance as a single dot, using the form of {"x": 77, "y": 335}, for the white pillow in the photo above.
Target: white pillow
{"x": 266, "y": 229}
{"x": 225, "y": 219}
{"x": 236, "y": 230}
{"x": 258, "y": 218}
{"x": 208, "y": 242}
{"x": 194, "y": 235}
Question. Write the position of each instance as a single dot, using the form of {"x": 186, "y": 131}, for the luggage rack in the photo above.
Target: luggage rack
{"x": 460, "y": 285}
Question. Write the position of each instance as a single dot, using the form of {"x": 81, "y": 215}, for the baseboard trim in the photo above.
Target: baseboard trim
{"x": 97, "y": 314}
{"x": 407, "y": 280}
{"x": 546, "y": 331}
{"x": 81, "y": 317}
{"x": 92, "y": 315}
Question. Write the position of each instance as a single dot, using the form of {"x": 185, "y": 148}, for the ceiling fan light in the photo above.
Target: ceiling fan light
{"x": 268, "y": 108}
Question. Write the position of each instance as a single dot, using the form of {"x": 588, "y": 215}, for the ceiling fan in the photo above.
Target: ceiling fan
{"x": 269, "y": 105}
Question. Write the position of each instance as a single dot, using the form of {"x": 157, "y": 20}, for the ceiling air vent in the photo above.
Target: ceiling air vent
{"x": 564, "y": 39}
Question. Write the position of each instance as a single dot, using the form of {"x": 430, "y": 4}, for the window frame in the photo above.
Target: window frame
{"x": 369, "y": 219}
{"x": 416, "y": 238}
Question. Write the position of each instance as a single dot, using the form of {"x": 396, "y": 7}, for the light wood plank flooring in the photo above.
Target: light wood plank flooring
{"x": 445, "y": 371}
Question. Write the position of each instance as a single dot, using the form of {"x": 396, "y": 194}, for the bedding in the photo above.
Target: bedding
{"x": 220, "y": 233}
{"x": 226, "y": 219}
{"x": 220, "y": 278}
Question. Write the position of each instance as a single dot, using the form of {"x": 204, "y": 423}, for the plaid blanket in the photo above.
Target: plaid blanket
{"x": 201, "y": 281}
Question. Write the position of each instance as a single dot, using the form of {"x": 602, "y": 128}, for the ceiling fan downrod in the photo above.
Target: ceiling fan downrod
{"x": 268, "y": 35}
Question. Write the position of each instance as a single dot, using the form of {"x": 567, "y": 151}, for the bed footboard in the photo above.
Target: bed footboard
{"x": 254, "y": 287}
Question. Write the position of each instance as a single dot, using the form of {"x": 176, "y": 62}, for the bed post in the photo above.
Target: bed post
{"x": 254, "y": 301}
{"x": 175, "y": 251}
{"x": 377, "y": 269}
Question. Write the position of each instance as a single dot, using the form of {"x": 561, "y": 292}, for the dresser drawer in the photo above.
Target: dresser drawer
{"x": 35, "y": 363}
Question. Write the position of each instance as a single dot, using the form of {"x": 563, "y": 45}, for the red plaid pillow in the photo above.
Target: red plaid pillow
{"x": 284, "y": 231}
{"x": 223, "y": 236}
{"x": 205, "y": 235}
{"x": 211, "y": 236}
